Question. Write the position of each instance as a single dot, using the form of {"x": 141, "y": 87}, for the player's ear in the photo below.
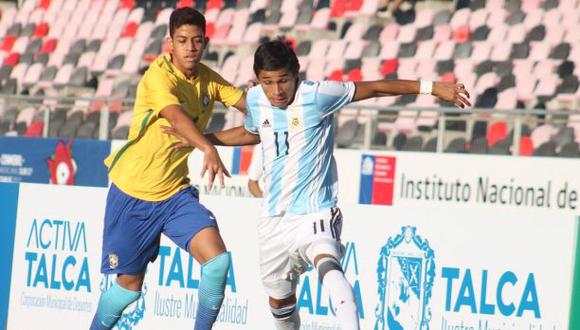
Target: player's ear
{"x": 206, "y": 41}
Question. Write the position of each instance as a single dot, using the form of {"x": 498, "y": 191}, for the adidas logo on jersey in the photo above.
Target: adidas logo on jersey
{"x": 266, "y": 123}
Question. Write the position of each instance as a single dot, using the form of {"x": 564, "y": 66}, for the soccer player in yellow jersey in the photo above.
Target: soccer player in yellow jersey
{"x": 150, "y": 192}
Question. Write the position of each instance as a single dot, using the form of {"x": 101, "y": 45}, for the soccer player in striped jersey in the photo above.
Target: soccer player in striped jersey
{"x": 301, "y": 223}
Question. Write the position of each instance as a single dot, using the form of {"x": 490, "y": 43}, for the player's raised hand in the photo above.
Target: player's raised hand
{"x": 212, "y": 164}
{"x": 182, "y": 141}
{"x": 451, "y": 92}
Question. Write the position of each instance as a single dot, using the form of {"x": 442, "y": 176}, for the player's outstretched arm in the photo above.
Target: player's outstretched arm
{"x": 450, "y": 92}
{"x": 189, "y": 134}
{"x": 237, "y": 136}
{"x": 241, "y": 104}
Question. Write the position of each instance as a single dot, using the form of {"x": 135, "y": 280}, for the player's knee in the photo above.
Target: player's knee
{"x": 213, "y": 276}
{"x": 325, "y": 265}
{"x": 218, "y": 266}
{"x": 280, "y": 302}
{"x": 283, "y": 312}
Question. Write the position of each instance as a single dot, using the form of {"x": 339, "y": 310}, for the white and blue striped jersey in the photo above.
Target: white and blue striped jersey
{"x": 297, "y": 146}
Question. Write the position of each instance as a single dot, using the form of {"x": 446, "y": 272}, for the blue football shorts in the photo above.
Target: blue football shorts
{"x": 133, "y": 227}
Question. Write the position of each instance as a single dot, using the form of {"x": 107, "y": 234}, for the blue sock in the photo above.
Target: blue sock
{"x": 111, "y": 306}
{"x": 211, "y": 290}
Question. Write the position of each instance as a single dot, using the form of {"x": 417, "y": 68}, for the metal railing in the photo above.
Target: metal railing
{"x": 371, "y": 116}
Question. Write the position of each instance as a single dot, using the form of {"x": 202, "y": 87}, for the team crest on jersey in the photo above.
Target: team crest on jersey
{"x": 113, "y": 261}
{"x": 295, "y": 123}
{"x": 205, "y": 100}
{"x": 266, "y": 123}
{"x": 405, "y": 273}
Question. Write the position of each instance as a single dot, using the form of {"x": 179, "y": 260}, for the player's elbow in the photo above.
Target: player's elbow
{"x": 173, "y": 114}
{"x": 251, "y": 138}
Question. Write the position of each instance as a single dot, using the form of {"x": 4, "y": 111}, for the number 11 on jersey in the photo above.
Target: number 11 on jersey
{"x": 282, "y": 147}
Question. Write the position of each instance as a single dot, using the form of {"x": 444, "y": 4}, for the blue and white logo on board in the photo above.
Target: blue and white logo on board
{"x": 134, "y": 313}
{"x": 406, "y": 270}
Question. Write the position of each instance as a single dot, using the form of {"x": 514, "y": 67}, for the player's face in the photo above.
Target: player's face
{"x": 279, "y": 86}
{"x": 187, "y": 46}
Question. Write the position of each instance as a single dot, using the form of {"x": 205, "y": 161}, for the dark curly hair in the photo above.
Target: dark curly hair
{"x": 185, "y": 16}
{"x": 275, "y": 55}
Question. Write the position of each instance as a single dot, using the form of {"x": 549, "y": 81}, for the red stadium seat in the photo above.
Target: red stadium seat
{"x": 462, "y": 33}
{"x": 209, "y": 29}
{"x": 8, "y": 42}
{"x": 338, "y": 8}
{"x": 41, "y": 30}
{"x": 526, "y": 146}
{"x": 49, "y": 46}
{"x": 185, "y": 3}
{"x": 353, "y": 5}
{"x": 214, "y": 4}
{"x": 12, "y": 59}
{"x": 336, "y": 75}
{"x": 497, "y": 131}
{"x": 130, "y": 30}
{"x": 389, "y": 66}
{"x": 44, "y": 4}
{"x": 354, "y": 75}
{"x": 35, "y": 129}
{"x": 127, "y": 4}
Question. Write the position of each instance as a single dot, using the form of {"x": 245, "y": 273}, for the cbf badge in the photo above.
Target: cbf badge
{"x": 205, "y": 101}
{"x": 113, "y": 261}
{"x": 406, "y": 270}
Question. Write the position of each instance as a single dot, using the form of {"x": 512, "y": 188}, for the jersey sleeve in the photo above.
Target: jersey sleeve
{"x": 331, "y": 96}
{"x": 224, "y": 91}
{"x": 160, "y": 91}
{"x": 252, "y": 108}
{"x": 256, "y": 166}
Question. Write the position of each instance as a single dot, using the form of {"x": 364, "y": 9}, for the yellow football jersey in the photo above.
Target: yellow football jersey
{"x": 147, "y": 167}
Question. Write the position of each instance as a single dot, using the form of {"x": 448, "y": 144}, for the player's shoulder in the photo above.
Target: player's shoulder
{"x": 209, "y": 73}
{"x": 254, "y": 94}
{"x": 159, "y": 72}
{"x": 334, "y": 87}
{"x": 308, "y": 85}
{"x": 321, "y": 86}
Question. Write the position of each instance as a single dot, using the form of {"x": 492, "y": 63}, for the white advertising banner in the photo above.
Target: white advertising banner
{"x": 411, "y": 268}
{"x": 56, "y": 262}
{"x": 426, "y": 179}
{"x": 422, "y": 179}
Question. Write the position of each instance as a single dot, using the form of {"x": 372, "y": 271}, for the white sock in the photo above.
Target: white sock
{"x": 291, "y": 322}
{"x": 343, "y": 299}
